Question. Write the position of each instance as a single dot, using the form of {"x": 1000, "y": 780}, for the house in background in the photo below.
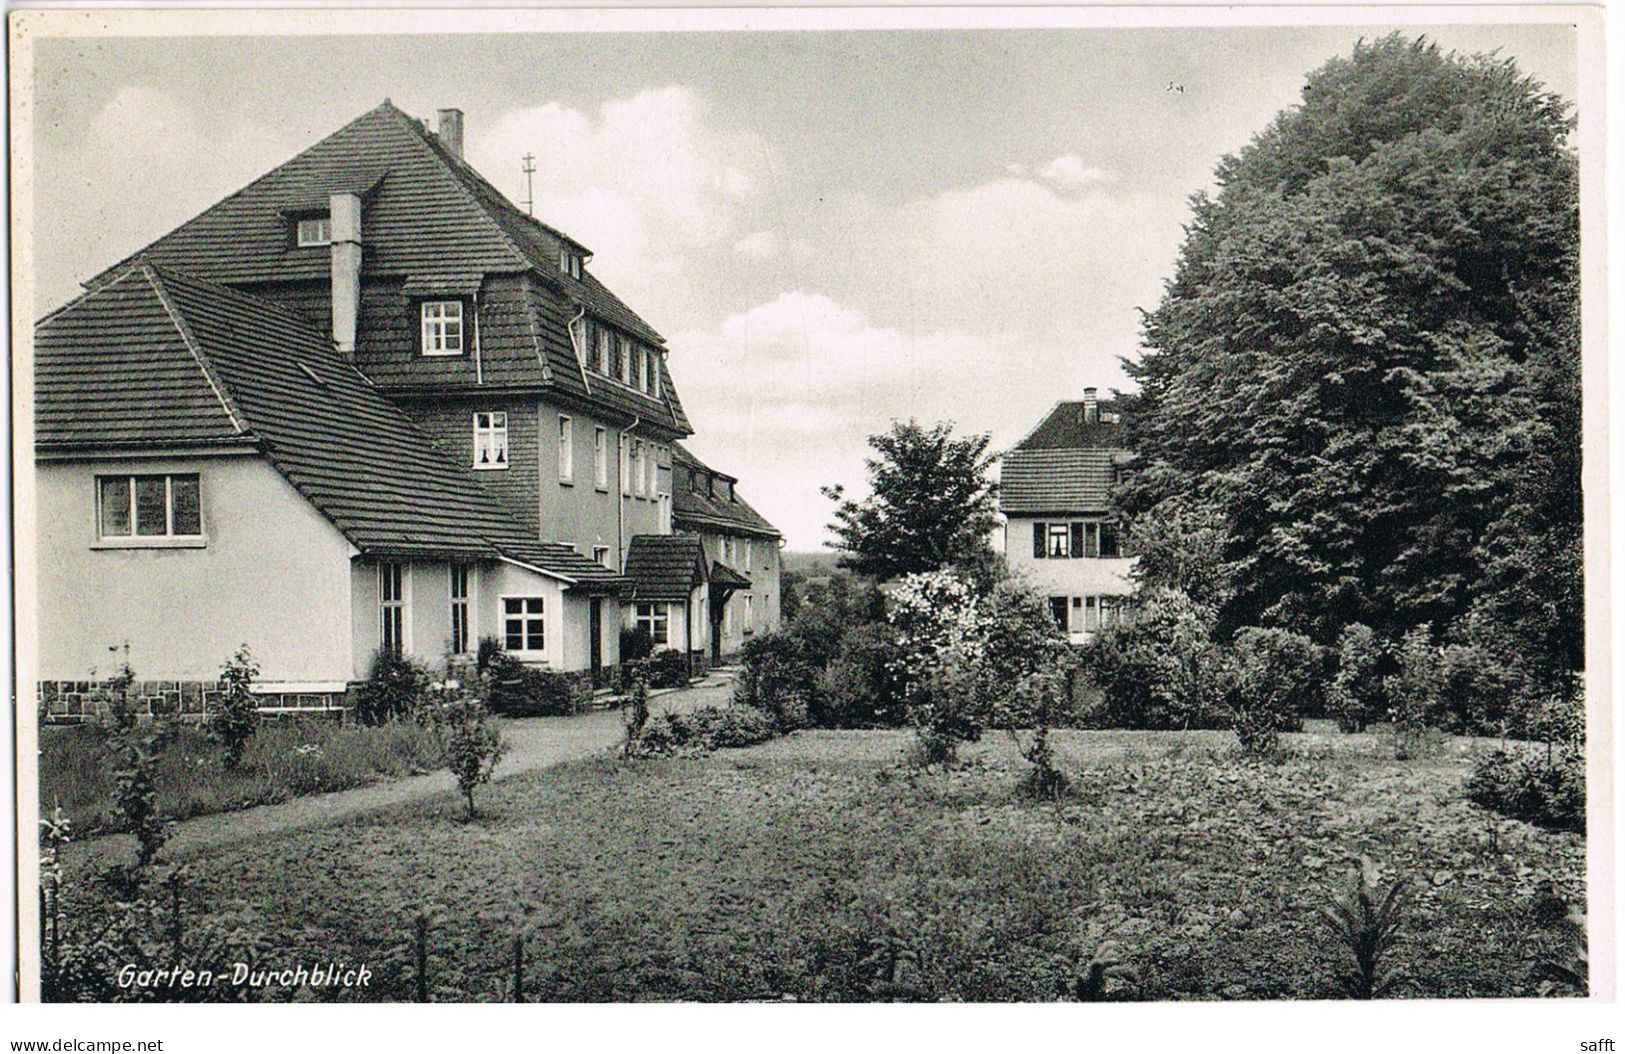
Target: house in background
{"x": 742, "y": 549}
{"x": 1055, "y": 492}
{"x": 364, "y": 402}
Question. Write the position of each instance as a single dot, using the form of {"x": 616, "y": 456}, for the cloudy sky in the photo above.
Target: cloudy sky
{"x": 832, "y": 229}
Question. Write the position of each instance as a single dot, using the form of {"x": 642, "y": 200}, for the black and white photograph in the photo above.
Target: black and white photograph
{"x": 770, "y": 507}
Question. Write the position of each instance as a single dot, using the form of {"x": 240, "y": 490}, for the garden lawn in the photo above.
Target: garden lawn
{"x": 284, "y": 759}
{"x": 818, "y": 867}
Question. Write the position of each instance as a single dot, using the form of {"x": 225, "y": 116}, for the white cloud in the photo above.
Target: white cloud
{"x": 758, "y": 245}
{"x": 145, "y": 164}
{"x": 647, "y": 182}
{"x": 784, "y": 395}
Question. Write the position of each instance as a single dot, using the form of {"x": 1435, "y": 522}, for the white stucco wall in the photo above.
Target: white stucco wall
{"x": 273, "y": 573}
{"x": 1064, "y": 576}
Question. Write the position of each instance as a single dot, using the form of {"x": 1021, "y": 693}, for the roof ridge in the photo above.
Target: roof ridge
{"x": 135, "y": 258}
{"x": 420, "y": 135}
{"x": 227, "y": 403}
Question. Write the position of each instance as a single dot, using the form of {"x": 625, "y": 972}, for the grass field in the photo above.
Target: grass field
{"x": 284, "y": 759}
{"x": 817, "y": 867}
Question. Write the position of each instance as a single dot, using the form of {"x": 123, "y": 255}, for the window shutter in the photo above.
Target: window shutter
{"x": 1039, "y": 530}
{"x": 1077, "y": 540}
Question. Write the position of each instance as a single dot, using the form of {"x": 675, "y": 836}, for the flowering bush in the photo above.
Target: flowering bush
{"x": 941, "y": 645}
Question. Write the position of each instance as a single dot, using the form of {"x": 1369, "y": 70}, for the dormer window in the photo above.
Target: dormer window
{"x": 313, "y": 230}
{"x": 643, "y": 370}
{"x": 603, "y": 356}
{"x": 569, "y": 261}
{"x": 442, "y": 324}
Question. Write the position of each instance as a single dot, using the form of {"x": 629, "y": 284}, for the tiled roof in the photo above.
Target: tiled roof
{"x": 1065, "y": 429}
{"x": 154, "y": 344}
{"x": 715, "y": 513}
{"x": 1040, "y": 481}
{"x": 664, "y": 567}
{"x": 1066, "y": 464}
{"x": 433, "y": 223}
{"x": 726, "y": 577}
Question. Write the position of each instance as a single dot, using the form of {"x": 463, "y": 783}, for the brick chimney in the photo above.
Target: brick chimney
{"x": 451, "y": 130}
{"x": 1091, "y": 407}
{"x": 344, "y": 217}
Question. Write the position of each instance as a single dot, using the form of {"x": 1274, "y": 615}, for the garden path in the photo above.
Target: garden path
{"x": 529, "y": 744}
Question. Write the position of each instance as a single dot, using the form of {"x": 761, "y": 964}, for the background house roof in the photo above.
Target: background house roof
{"x": 1067, "y": 464}
{"x": 665, "y": 567}
{"x": 713, "y": 512}
{"x": 117, "y": 359}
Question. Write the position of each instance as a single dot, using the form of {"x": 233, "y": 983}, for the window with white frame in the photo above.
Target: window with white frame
{"x": 600, "y": 555}
{"x": 643, "y": 369}
{"x": 569, "y": 261}
{"x": 391, "y": 608}
{"x": 442, "y": 327}
{"x": 656, "y": 619}
{"x": 750, "y": 612}
{"x": 625, "y": 446}
{"x": 665, "y": 514}
{"x": 491, "y": 440}
{"x": 652, "y": 467}
{"x": 152, "y": 506}
{"x": 603, "y": 357}
{"x": 567, "y": 450}
{"x": 639, "y": 454}
{"x": 626, "y": 361}
{"x": 524, "y": 624}
{"x": 654, "y": 368}
{"x": 600, "y": 457}
{"x": 313, "y": 230}
{"x": 750, "y": 551}
{"x": 1060, "y": 540}
{"x": 461, "y": 588}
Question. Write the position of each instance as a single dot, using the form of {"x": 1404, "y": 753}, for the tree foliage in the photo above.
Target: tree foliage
{"x": 1365, "y": 371}
{"x": 931, "y": 504}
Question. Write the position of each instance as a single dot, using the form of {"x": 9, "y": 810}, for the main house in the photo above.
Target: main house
{"x": 1055, "y": 493}
{"x": 363, "y": 403}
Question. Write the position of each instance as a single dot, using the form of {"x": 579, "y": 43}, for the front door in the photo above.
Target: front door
{"x": 595, "y": 639}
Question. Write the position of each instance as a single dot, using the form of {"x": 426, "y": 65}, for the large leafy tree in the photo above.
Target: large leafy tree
{"x": 1365, "y": 370}
{"x": 931, "y": 504}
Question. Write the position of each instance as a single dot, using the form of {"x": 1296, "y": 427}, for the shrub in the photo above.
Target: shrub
{"x": 1162, "y": 671}
{"x": 667, "y": 668}
{"x": 1415, "y": 694}
{"x": 135, "y": 795}
{"x": 395, "y": 687}
{"x": 706, "y": 728}
{"x": 857, "y": 688}
{"x": 513, "y": 689}
{"x": 1543, "y": 788}
{"x": 235, "y": 718}
{"x": 637, "y": 707}
{"x": 1274, "y": 680}
{"x": 115, "y": 692}
{"x": 776, "y": 678}
{"x": 636, "y": 643}
{"x": 469, "y": 742}
{"x": 1355, "y": 696}
{"x": 941, "y": 662}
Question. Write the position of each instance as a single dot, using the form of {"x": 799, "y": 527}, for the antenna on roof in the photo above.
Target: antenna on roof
{"x": 529, "y": 169}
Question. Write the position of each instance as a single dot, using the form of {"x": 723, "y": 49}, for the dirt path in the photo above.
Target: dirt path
{"x": 531, "y": 744}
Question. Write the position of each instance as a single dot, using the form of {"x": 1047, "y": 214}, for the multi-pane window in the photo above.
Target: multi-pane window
{"x": 567, "y": 450}
{"x": 442, "y": 327}
{"x": 523, "y": 624}
{"x": 314, "y": 230}
{"x": 460, "y": 575}
{"x": 600, "y": 457}
{"x": 491, "y": 440}
{"x": 569, "y": 262}
{"x": 651, "y": 466}
{"x": 750, "y": 611}
{"x": 166, "y": 506}
{"x": 1060, "y": 540}
{"x": 1057, "y": 608}
{"x": 654, "y": 368}
{"x": 656, "y": 619}
{"x": 750, "y": 551}
{"x": 1079, "y": 538}
{"x": 665, "y": 514}
{"x": 391, "y": 608}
